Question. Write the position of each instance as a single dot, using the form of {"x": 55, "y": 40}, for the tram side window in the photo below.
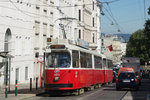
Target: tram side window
{"x": 104, "y": 63}
{"x": 97, "y": 62}
{"x": 82, "y": 60}
{"x": 85, "y": 60}
{"x": 89, "y": 60}
{"x": 110, "y": 65}
{"x": 108, "y": 61}
{"x": 75, "y": 57}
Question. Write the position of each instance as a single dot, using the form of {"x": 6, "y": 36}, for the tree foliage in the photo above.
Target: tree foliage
{"x": 139, "y": 43}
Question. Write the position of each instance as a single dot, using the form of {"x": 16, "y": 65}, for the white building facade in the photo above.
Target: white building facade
{"x": 107, "y": 40}
{"x": 16, "y": 32}
{"x": 119, "y": 47}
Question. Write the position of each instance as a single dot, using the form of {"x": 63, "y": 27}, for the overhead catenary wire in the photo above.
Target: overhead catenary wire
{"x": 20, "y": 9}
{"x": 37, "y": 15}
{"x": 113, "y": 18}
{"x": 26, "y": 13}
{"x": 144, "y": 10}
{"x": 59, "y": 6}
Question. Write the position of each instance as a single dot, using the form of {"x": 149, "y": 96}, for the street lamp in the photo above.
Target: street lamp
{"x": 5, "y": 55}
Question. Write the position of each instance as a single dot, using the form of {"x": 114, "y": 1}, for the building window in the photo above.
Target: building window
{"x": 93, "y": 38}
{"x": 45, "y": 11}
{"x": 44, "y": 41}
{"x": 79, "y": 15}
{"x": 44, "y": 28}
{"x": 37, "y": 8}
{"x": 79, "y": 34}
{"x": 93, "y": 21}
{"x": 93, "y": 5}
{"x": 51, "y": 14}
{"x": 37, "y": 27}
{"x": 51, "y": 30}
{"x": 27, "y": 46}
{"x": 17, "y": 74}
{"x": 26, "y": 73}
{"x": 18, "y": 46}
{"x": 36, "y": 41}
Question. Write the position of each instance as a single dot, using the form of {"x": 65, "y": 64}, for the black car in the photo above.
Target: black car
{"x": 114, "y": 76}
{"x": 127, "y": 80}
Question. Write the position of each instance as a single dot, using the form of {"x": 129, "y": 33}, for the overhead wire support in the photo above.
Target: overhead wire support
{"x": 112, "y": 16}
{"x": 144, "y": 10}
{"x": 19, "y": 9}
{"x": 47, "y": 5}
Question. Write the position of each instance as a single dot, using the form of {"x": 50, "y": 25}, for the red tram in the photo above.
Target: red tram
{"x": 70, "y": 67}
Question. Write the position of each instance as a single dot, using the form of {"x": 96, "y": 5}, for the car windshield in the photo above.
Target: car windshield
{"x": 57, "y": 60}
{"x": 126, "y": 75}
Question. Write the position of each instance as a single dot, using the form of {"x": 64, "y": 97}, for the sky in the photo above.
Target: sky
{"x": 128, "y": 16}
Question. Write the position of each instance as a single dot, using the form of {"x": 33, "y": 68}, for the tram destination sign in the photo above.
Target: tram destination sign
{"x": 57, "y": 46}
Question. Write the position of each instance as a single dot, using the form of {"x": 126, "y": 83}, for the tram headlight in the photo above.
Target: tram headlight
{"x": 56, "y": 78}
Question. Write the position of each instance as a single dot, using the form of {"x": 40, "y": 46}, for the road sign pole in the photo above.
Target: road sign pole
{"x": 16, "y": 88}
{"x": 40, "y": 60}
{"x": 40, "y": 72}
{"x": 6, "y": 83}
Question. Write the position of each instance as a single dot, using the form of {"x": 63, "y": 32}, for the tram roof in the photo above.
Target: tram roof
{"x": 71, "y": 46}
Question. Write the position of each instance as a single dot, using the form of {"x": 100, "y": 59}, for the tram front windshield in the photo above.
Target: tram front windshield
{"x": 58, "y": 60}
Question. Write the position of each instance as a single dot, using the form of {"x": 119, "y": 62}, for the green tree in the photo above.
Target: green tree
{"x": 139, "y": 43}
{"x": 147, "y": 35}
{"x": 136, "y": 46}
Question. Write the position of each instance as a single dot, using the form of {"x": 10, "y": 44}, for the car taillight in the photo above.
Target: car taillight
{"x": 117, "y": 80}
{"x": 136, "y": 81}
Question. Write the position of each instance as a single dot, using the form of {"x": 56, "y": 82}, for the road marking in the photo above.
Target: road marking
{"x": 123, "y": 95}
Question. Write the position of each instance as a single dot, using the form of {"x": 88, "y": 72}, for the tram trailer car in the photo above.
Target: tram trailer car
{"x": 69, "y": 67}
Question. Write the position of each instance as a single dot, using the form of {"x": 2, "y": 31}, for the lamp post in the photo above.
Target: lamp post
{"x": 6, "y": 79}
{"x": 4, "y": 54}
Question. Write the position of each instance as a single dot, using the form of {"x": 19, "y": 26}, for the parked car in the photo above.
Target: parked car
{"x": 127, "y": 80}
{"x": 125, "y": 69}
{"x": 114, "y": 76}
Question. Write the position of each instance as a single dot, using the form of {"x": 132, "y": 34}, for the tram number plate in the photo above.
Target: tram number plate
{"x": 126, "y": 80}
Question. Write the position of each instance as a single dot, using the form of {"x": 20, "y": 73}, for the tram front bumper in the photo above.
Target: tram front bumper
{"x": 58, "y": 86}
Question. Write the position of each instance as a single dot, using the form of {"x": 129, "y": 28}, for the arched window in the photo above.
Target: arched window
{"x": 7, "y": 40}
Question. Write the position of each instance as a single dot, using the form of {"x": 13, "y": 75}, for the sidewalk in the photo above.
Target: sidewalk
{"x": 24, "y": 92}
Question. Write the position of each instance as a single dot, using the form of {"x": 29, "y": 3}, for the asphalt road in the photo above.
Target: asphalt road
{"x": 103, "y": 93}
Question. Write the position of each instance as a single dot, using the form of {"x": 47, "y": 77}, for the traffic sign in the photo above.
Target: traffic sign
{"x": 40, "y": 59}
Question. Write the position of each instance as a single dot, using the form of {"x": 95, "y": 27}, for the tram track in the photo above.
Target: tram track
{"x": 124, "y": 95}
